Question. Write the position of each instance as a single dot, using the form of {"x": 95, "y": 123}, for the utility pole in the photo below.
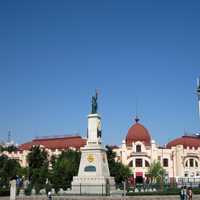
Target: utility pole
{"x": 9, "y": 136}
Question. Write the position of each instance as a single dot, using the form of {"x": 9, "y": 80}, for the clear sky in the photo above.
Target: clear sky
{"x": 53, "y": 54}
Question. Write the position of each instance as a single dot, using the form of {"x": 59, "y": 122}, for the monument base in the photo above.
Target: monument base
{"x": 93, "y": 177}
{"x": 93, "y": 185}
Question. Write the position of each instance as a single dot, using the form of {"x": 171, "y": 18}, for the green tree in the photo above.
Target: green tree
{"x": 64, "y": 168}
{"x": 1, "y": 148}
{"x": 119, "y": 171}
{"x": 9, "y": 168}
{"x": 38, "y": 167}
{"x": 10, "y": 148}
{"x": 37, "y": 158}
{"x": 156, "y": 172}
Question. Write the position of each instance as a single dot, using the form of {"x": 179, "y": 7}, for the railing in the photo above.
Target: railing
{"x": 83, "y": 189}
{"x": 148, "y": 187}
{"x": 190, "y": 182}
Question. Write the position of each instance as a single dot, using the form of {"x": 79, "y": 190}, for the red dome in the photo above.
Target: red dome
{"x": 138, "y": 133}
{"x": 186, "y": 141}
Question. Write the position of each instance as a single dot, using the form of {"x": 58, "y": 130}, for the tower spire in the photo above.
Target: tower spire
{"x": 198, "y": 92}
{"x": 136, "y": 111}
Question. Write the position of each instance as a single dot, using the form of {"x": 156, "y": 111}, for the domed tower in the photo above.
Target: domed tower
{"x": 137, "y": 132}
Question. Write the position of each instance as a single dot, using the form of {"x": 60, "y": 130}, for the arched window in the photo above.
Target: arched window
{"x": 196, "y": 163}
{"x": 138, "y": 148}
{"x": 138, "y": 162}
{"x": 191, "y": 162}
{"x": 146, "y": 163}
{"x": 130, "y": 164}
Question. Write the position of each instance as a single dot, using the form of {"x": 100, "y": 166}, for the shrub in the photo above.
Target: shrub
{"x": 4, "y": 192}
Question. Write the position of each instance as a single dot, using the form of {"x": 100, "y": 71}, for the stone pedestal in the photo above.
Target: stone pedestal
{"x": 13, "y": 189}
{"x": 93, "y": 176}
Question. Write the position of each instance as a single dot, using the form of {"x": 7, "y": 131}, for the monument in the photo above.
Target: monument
{"x": 93, "y": 175}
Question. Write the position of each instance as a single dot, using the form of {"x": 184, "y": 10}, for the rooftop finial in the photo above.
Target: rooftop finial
{"x": 137, "y": 119}
{"x": 136, "y": 109}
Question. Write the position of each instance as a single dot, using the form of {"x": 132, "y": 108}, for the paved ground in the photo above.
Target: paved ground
{"x": 195, "y": 197}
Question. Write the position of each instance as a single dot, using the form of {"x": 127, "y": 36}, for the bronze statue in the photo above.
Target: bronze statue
{"x": 94, "y": 104}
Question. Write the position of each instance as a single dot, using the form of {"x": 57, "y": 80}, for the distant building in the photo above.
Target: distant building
{"x": 53, "y": 145}
{"x": 56, "y": 143}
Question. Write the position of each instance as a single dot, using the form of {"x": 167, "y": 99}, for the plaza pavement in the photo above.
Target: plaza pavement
{"x": 195, "y": 197}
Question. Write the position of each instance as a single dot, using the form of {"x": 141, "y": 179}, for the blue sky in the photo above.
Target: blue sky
{"x": 53, "y": 54}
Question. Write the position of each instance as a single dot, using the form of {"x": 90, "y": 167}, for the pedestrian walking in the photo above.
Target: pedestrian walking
{"x": 185, "y": 195}
{"x": 189, "y": 193}
{"x": 182, "y": 193}
{"x": 49, "y": 196}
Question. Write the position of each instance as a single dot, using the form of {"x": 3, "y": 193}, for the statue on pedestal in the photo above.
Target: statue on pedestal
{"x": 94, "y": 103}
{"x": 93, "y": 175}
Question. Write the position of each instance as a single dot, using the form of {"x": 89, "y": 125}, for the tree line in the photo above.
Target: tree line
{"x": 55, "y": 172}
{"x": 44, "y": 172}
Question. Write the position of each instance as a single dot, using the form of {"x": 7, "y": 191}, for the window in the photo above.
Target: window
{"x": 186, "y": 164}
{"x": 196, "y": 163}
{"x": 191, "y": 163}
{"x": 146, "y": 163}
{"x": 138, "y": 148}
{"x": 130, "y": 164}
{"x": 165, "y": 162}
{"x": 138, "y": 162}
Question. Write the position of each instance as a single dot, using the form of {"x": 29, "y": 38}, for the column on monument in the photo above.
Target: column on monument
{"x": 94, "y": 122}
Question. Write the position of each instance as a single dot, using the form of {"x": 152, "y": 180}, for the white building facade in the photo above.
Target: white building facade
{"x": 180, "y": 158}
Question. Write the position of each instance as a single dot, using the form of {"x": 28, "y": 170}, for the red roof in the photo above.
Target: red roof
{"x": 138, "y": 133}
{"x": 59, "y": 143}
{"x": 186, "y": 141}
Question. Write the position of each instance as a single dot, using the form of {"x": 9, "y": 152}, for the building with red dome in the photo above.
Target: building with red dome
{"x": 138, "y": 132}
{"x": 180, "y": 157}
{"x": 187, "y": 141}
